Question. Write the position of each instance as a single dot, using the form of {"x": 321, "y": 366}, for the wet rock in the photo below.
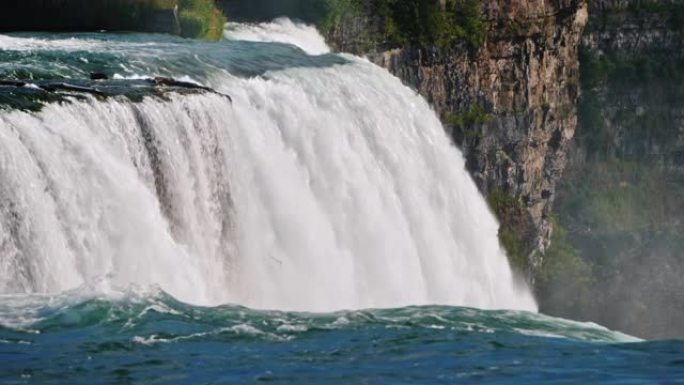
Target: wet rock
{"x": 98, "y": 76}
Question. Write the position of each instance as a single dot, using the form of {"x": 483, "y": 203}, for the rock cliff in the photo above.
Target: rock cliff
{"x": 621, "y": 201}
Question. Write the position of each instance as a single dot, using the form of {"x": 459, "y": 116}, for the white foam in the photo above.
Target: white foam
{"x": 281, "y": 30}
{"x": 13, "y": 43}
{"x": 317, "y": 189}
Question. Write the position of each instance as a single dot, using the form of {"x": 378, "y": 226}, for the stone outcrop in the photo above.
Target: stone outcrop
{"x": 33, "y": 95}
{"x": 524, "y": 80}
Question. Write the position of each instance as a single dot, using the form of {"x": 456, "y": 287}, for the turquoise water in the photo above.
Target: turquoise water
{"x": 157, "y": 340}
{"x": 75, "y": 56}
{"x": 151, "y": 338}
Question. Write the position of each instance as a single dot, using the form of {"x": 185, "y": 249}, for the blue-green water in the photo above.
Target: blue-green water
{"x": 157, "y": 340}
{"x": 132, "y": 338}
{"x": 74, "y": 56}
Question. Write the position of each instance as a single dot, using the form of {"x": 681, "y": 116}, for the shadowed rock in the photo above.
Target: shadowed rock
{"x": 171, "y": 82}
{"x": 24, "y": 95}
{"x": 12, "y": 83}
{"x": 98, "y": 76}
{"x": 55, "y": 87}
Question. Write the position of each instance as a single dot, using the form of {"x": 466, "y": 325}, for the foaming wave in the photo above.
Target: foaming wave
{"x": 281, "y": 30}
{"x": 143, "y": 312}
{"x": 15, "y": 43}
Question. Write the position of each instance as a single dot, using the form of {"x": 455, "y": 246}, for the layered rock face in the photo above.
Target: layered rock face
{"x": 633, "y": 64}
{"x": 633, "y": 25}
{"x": 511, "y": 102}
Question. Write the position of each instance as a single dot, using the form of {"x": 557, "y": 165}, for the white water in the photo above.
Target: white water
{"x": 281, "y": 30}
{"x": 317, "y": 189}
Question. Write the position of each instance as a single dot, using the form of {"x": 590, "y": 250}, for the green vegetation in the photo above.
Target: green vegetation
{"x": 565, "y": 281}
{"x": 196, "y": 18}
{"x": 620, "y": 68}
{"x": 426, "y": 23}
{"x": 590, "y": 115}
{"x": 421, "y": 22}
{"x": 616, "y": 252}
{"x": 372, "y": 23}
{"x": 672, "y": 11}
{"x": 467, "y": 123}
{"x": 512, "y": 214}
{"x": 200, "y": 19}
{"x": 336, "y": 12}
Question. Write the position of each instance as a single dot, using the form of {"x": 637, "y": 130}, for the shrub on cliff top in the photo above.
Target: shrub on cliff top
{"x": 420, "y": 22}
{"x": 200, "y": 18}
{"x": 428, "y": 23}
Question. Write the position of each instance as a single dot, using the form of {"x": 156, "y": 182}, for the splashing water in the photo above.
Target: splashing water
{"x": 318, "y": 188}
{"x": 281, "y": 30}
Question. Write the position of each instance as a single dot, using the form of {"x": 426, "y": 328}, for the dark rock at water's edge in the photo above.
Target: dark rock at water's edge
{"x": 66, "y": 87}
{"x": 188, "y": 18}
{"x": 33, "y": 95}
{"x": 12, "y": 83}
{"x": 162, "y": 81}
{"x": 98, "y": 76}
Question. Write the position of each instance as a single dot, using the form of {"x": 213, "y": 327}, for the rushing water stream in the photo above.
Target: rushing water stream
{"x": 324, "y": 185}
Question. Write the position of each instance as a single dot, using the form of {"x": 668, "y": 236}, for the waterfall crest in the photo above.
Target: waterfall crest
{"x": 317, "y": 189}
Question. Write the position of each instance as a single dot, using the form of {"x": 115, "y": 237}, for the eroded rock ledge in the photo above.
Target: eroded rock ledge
{"x": 32, "y": 95}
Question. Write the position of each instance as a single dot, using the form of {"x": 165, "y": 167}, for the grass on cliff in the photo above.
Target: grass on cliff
{"x": 421, "y": 22}
{"x": 334, "y": 13}
{"x": 565, "y": 282}
{"x": 513, "y": 230}
{"x": 197, "y": 18}
{"x": 200, "y": 19}
{"x": 426, "y": 23}
{"x": 467, "y": 124}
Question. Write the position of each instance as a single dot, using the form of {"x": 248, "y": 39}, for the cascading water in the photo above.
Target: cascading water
{"x": 325, "y": 184}
{"x": 281, "y": 30}
{"x": 321, "y": 187}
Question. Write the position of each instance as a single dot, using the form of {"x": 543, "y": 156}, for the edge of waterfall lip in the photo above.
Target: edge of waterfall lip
{"x": 31, "y": 95}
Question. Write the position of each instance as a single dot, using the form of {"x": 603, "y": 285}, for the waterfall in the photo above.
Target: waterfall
{"x": 281, "y": 30}
{"x": 317, "y": 189}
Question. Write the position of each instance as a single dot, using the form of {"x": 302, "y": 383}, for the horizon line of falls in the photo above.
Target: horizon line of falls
{"x": 317, "y": 189}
